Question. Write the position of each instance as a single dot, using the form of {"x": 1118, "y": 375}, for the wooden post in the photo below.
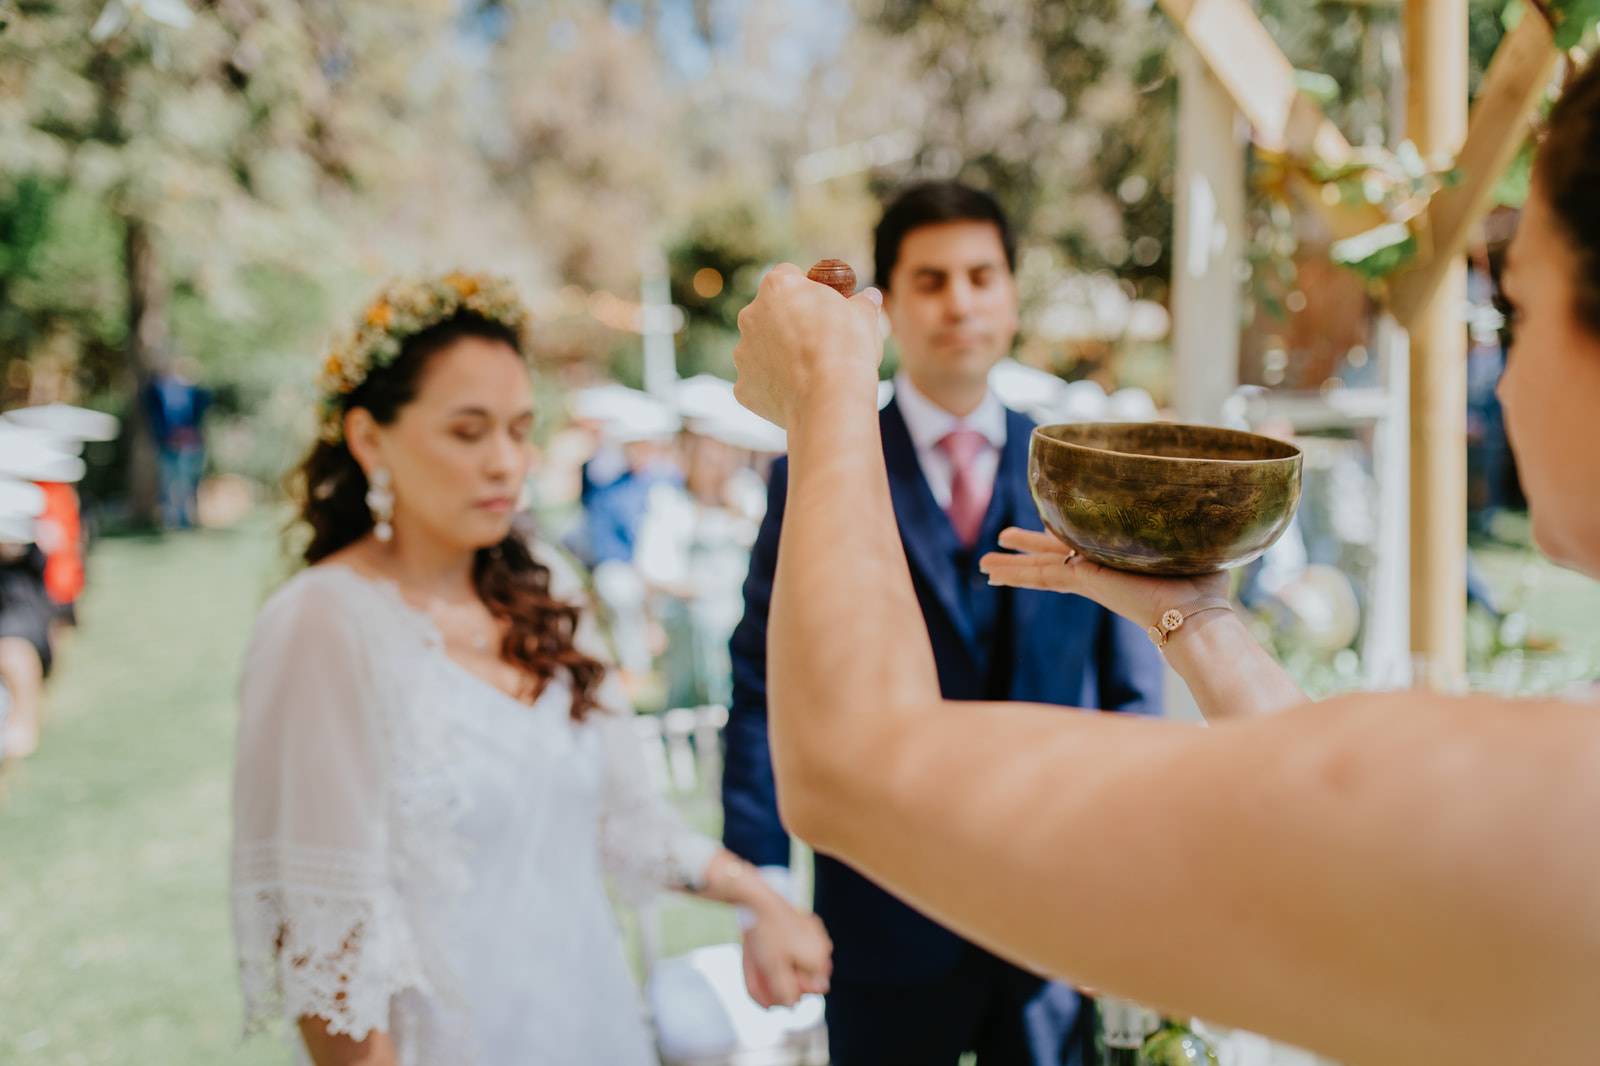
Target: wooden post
{"x": 1253, "y": 71}
{"x": 1436, "y": 118}
{"x": 1209, "y": 245}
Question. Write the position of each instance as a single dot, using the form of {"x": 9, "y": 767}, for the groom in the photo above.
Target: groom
{"x": 905, "y": 990}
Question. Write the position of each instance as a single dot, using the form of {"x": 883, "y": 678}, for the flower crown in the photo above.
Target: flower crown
{"x": 401, "y": 311}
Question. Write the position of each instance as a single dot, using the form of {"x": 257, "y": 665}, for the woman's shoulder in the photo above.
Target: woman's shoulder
{"x": 318, "y": 601}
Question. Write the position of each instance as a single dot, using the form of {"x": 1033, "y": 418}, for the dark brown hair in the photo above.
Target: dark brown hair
{"x": 931, "y": 203}
{"x": 331, "y": 490}
{"x": 1568, "y": 176}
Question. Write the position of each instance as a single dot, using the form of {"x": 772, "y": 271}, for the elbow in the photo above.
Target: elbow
{"x": 825, "y": 780}
{"x": 802, "y": 816}
{"x": 810, "y": 784}
{"x": 811, "y": 809}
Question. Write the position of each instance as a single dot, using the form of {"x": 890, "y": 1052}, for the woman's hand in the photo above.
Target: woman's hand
{"x": 799, "y": 334}
{"x": 787, "y": 954}
{"x": 1227, "y": 671}
{"x": 1040, "y": 561}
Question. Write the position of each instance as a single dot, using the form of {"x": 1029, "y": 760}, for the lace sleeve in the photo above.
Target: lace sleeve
{"x": 317, "y": 925}
{"x": 644, "y": 843}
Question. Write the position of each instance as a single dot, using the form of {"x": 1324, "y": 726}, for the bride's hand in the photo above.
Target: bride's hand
{"x": 1040, "y": 561}
{"x": 787, "y": 954}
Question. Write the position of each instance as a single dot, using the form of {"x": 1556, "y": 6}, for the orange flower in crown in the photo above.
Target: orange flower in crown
{"x": 404, "y": 309}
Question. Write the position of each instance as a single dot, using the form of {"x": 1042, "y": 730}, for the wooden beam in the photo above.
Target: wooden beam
{"x": 1501, "y": 120}
{"x": 1259, "y": 79}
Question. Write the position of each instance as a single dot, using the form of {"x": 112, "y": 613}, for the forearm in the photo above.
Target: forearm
{"x": 1348, "y": 876}
{"x": 847, "y": 647}
{"x": 730, "y": 879}
{"x": 328, "y": 1049}
{"x": 1228, "y": 672}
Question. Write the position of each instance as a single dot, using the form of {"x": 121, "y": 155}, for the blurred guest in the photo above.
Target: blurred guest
{"x": 25, "y": 650}
{"x": 60, "y": 532}
{"x": 614, "y": 509}
{"x": 693, "y": 552}
{"x": 1488, "y": 452}
{"x": 176, "y": 407}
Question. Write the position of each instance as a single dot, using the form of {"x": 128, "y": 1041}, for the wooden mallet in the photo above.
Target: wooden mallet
{"x": 836, "y": 274}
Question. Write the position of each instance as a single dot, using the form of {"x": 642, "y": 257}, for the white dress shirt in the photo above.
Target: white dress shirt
{"x": 929, "y": 423}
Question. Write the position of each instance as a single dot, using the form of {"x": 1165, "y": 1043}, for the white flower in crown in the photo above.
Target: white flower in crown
{"x": 402, "y": 310}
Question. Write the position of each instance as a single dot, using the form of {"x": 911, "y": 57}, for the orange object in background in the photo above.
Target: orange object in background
{"x": 61, "y": 540}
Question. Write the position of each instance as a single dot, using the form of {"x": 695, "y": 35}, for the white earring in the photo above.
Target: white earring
{"x": 380, "y": 501}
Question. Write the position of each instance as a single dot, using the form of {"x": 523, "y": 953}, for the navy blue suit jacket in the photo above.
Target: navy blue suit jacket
{"x": 1054, "y": 649}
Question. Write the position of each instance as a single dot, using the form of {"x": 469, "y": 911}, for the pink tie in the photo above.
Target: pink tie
{"x": 968, "y": 499}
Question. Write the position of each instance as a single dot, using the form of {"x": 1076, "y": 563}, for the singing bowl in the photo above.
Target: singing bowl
{"x": 1161, "y": 497}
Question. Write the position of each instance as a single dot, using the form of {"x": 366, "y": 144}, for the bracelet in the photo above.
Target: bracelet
{"x": 1173, "y": 619}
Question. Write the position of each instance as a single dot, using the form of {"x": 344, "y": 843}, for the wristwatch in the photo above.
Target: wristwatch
{"x": 1172, "y": 619}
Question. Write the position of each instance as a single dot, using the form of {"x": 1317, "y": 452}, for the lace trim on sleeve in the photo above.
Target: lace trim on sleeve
{"x": 319, "y": 934}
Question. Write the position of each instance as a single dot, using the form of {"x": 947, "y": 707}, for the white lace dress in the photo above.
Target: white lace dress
{"x": 419, "y": 853}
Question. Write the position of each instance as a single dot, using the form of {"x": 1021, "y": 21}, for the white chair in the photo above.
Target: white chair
{"x": 697, "y": 1001}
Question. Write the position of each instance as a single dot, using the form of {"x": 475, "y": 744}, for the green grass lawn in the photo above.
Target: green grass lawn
{"x": 114, "y": 936}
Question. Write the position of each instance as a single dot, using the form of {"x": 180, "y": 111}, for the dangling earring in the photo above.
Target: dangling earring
{"x": 380, "y": 501}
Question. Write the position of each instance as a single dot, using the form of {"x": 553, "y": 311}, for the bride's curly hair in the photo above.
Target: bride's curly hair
{"x": 330, "y": 488}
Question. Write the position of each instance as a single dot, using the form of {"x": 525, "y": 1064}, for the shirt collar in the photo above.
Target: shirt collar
{"x": 928, "y": 423}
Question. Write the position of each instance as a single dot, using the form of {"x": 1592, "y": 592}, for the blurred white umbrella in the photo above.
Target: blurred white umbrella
{"x": 21, "y": 498}
{"x": 625, "y": 415}
{"x": 1131, "y": 405}
{"x": 1083, "y": 401}
{"x": 742, "y": 429}
{"x": 16, "y": 529}
{"x": 711, "y": 410}
{"x": 34, "y": 456}
{"x": 1036, "y": 393}
{"x": 704, "y": 396}
{"x": 64, "y": 420}
{"x": 603, "y": 402}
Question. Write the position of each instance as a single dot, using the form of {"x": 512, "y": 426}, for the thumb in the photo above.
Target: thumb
{"x": 869, "y": 301}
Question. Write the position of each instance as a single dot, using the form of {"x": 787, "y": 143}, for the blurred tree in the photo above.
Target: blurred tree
{"x": 157, "y": 153}
{"x": 1062, "y": 109}
{"x": 1065, "y": 109}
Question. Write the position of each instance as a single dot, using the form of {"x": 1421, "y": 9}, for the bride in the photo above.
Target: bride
{"x": 436, "y": 771}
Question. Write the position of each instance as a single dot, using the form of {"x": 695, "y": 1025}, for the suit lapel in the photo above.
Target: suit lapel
{"x": 924, "y": 528}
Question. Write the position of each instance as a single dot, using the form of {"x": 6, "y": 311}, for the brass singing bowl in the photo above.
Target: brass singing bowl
{"x": 1163, "y": 498}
